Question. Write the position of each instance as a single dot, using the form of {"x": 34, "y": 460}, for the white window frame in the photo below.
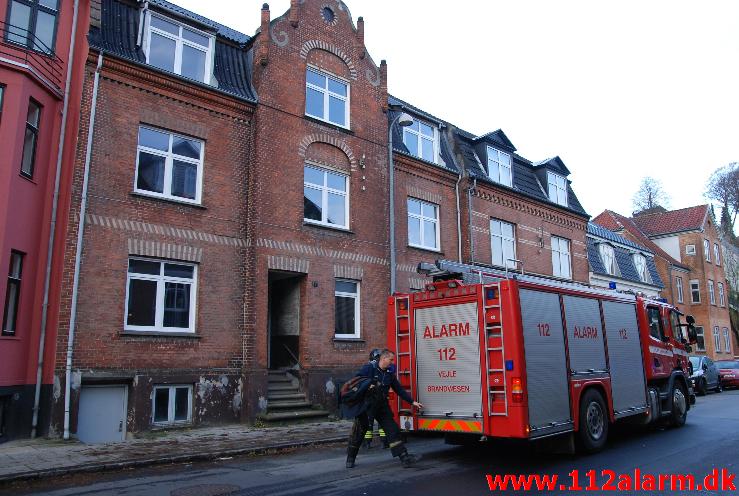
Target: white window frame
{"x": 707, "y": 250}
{"x": 700, "y": 332}
{"x": 690, "y": 249}
{"x": 727, "y": 339}
{"x": 180, "y": 41}
{"x": 326, "y": 93}
{"x": 419, "y": 136}
{"x": 422, "y": 218}
{"x": 505, "y": 262}
{"x": 711, "y": 292}
{"x": 716, "y": 254}
{"x": 721, "y": 294}
{"x": 557, "y": 191}
{"x": 558, "y": 255}
{"x": 169, "y": 158}
{"x": 642, "y": 270}
{"x": 161, "y": 280}
{"x": 494, "y": 158}
{"x": 716, "y": 339}
{"x": 679, "y": 284}
{"x": 697, "y": 288}
{"x": 325, "y": 190}
{"x": 171, "y": 406}
{"x": 357, "y": 308}
{"x": 606, "y": 251}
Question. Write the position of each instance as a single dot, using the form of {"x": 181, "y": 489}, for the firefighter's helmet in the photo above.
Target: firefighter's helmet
{"x": 375, "y": 354}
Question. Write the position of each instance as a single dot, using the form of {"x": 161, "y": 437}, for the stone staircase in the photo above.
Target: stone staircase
{"x": 286, "y": 402}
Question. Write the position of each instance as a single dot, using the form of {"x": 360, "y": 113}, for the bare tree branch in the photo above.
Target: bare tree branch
{"x": 650, "y": 194}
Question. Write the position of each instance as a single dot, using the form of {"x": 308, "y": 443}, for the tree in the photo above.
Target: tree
{"x": 650, "y": 195}
{"x": 723, "y": 187}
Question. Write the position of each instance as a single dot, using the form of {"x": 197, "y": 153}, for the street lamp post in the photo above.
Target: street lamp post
{"x": 402, "y": 120}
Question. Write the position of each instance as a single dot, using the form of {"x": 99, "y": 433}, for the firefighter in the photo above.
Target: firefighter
{"x": 375, "y": 405}
{"x": 374, "y": 357}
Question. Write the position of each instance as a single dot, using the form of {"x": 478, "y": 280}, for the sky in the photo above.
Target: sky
{"x": 618, "y": 90}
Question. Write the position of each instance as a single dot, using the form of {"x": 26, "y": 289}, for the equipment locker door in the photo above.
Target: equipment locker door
{"x": 624, "y": 354}
{"x": 584, "y": 335}
{"x": 546, "y": 370}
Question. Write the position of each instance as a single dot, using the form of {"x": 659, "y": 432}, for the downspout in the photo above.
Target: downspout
{"x": 459, "y": 219}
{"x": 391, "y": 172}
{"x": 52, "y": 231}
{"x": 78, "y": 255}
{"x": 469, "y": 212}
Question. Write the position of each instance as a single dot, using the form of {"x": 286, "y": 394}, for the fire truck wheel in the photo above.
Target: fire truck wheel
{"x": 701, "y": 387}
{"x": 593, "y": 430}
{"x": 679, "y": 407}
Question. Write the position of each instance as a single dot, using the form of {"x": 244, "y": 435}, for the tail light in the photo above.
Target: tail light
{"x": 517, "y": 390}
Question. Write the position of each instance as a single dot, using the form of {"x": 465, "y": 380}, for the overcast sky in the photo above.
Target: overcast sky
{"x": 618, "y": 89}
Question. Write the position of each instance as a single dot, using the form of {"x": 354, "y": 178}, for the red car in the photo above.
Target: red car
{"x": 728, "y": 370}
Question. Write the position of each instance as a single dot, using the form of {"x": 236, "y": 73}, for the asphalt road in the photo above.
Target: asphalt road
{"x": 709, "y": 440}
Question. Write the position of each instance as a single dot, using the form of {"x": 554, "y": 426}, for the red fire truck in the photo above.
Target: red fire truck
{"x": 495, "y": 354}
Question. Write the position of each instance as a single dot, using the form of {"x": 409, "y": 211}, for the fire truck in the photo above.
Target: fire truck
{"x": 494, "y": 354}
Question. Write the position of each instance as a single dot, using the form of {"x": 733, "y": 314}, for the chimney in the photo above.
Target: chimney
{"x": 360, "y": 37}
{"x": 383, "y": 84}
{"x": 293, "y": 16}
{"x": 263, "y": 55}
{"x": 95, "y": 13}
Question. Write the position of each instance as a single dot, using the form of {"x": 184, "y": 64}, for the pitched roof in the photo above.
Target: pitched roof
{"x": 623, "y": 256}
{"x": 224, "y": 31}
{"x": 619, "y": 223}
{"x": 673, "y": 221}
{"x": 601, "y": 232}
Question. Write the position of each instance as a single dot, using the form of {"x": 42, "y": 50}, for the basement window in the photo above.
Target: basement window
{"x": 172, "y": 405}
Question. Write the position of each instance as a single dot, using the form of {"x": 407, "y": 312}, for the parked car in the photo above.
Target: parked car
{"x": 729, "y": 372}
{"x": 705, "y": 375}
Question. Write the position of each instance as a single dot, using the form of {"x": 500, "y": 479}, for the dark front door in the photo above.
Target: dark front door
{"x": 284, "y": 319}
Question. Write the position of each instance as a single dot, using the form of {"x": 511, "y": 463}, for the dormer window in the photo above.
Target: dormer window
{"x": 499, "y": 167}
{"x": 179, "y": 49}
{"x": 421, "y": 140}
{"x": 608, "y": 257}
{"x": 557, "y": 188}
{"x": 640, "y": 262}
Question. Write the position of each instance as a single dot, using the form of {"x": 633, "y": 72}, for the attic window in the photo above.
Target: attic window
{"x": 179, "y": 49}
{"x": 640, "y": 262}
{"x": 608, "y": 258}
{"x": 328, "y": 15}
{"x": 557, "y": 186}
{"x": 421, "y": 140}
{"x": 499, "y": 167}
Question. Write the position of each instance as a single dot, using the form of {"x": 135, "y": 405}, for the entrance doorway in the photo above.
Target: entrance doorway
{"x": 284, "y": 319}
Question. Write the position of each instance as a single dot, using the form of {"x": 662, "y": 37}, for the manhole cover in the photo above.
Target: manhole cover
{"x": 205, "y": 490}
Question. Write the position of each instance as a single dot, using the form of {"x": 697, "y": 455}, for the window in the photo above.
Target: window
{"x": 503, "y": 243}
{"x": 169, "y": 165}
{"x": 160, "y": 296}
{"x": 655, "y": 323}
{"x": 32, "y": 23}
{"x": 172, "y": 405}
{"x": 326, "y": 98}
{"x": 12, "y": 294}
{"x": 716, "y": 254}
{"x": 423, "y": 224}
{"x": 31, "y": 137}
{"x": 690, "y": 249}
{"x": 707, "y": 249}
{"x": 677, "y": 331}
{"x": 420, "y": 139}
{"x": 695, "y": 291}
{"x": 325, "y": 197}
{"x": 700, "y": 342}
{"x": 561, "y": 257}
{"x": 711, "y": 294}
{"x": 179, "y": 49}
{"x": 727, "y": 340}
{"x": 679, "y": 285}
{"x": 721, "y": 297}
{"x": 499, "y": 167}
{"x": 640, "y": 263}
{"x": 346, "y": 299}
{"x": 608, "y": 258}
{"x": 716, "y": 340}
{"x": 2, "y": 94}
{"x": 557, "y": 188}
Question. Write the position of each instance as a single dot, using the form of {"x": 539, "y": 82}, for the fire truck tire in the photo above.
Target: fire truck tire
{"x": 701, "y": 387}
{"x": 679, "y": 405}
{"x": 593, "y": 431}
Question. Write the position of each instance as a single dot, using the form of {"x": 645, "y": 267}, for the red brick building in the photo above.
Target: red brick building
{"x": 42, "y": 50}
{"x": 202, "y": 268}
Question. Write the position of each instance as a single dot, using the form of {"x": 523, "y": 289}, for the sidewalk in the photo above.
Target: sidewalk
{"x": 28, "y": 459}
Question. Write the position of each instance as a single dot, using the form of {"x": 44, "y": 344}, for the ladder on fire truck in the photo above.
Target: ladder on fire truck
{"x": 403, "y": 353}
{"x": 494, "y": 351}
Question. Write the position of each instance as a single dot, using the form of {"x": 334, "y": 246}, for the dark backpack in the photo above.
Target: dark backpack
{"x": 353, "y": 390}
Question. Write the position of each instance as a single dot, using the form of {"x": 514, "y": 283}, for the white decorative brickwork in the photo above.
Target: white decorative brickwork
{"x": 348, "y": 272}
{"x": 289, "y": 264}
{"x": 328, "y": 47}
{"x": 157, "y": 249}
{"x": 326, "y": 138}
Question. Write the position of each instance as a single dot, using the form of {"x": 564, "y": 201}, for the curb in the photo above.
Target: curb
{"x": 202, "y": 456}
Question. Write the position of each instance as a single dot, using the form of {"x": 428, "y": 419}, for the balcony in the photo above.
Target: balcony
{"x": 21, "y": 48}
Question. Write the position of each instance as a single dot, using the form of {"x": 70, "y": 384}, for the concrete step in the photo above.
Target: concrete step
{"x": 293, "y": 415}
{"x": 281, "y": 405}
{"x": 279, "y": 379}
{"x": 281, "y": 396}
{"x": 286, "y": 387}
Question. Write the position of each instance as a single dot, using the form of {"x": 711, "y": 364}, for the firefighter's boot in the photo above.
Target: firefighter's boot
{"x": 408, "y": 459}
{"x": 351, "y": 456}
